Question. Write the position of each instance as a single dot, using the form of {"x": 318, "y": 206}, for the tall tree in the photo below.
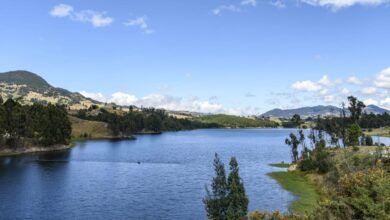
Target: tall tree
{"x": 238, "y": 200}
{"x": 293, "y": 142}
{"x": 356, "y": 108}
{"x": 216, "y": 201}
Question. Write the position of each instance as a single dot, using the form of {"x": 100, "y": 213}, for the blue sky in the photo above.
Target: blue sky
{"x": 231, "y": 56}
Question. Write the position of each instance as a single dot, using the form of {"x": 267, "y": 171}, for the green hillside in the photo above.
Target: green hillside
{"x": 232, "y": 121}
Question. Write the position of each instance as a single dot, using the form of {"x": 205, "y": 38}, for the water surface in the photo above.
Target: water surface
{"x": 103, "y": 180}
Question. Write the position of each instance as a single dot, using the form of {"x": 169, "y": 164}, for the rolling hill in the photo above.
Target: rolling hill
{"x": 31, "y": 88}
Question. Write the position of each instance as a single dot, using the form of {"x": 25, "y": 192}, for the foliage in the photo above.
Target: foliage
{"x": 238, "y": 200}
{"x": 355, "y": 108}
{"x": 353, "y": 134}
{"x": 227, "y": 199}
{"x": 293, "y": 142}
{"x": 296, "y": 120}
{"x": 367, "y": 193}
{"x": 36, "y": 124}
{"x": 146, "y": 120}
{"x": 216, "y": 201}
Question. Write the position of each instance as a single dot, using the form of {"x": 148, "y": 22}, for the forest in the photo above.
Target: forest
{"x": 147, "y": 120}
{"x": 26, "y": 125}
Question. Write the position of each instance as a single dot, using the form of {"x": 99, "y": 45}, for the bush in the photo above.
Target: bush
{"x": 369, "y": 141}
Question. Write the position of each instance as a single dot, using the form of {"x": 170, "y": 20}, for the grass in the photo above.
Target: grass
{"x": 280, "y": 165}
{"x": 8, "y": 154}
{"x": 93, "y": 129}
{"x": 296, "y": 183}
{"x": 231, "y": 121}
{"x": 383, "y": 132}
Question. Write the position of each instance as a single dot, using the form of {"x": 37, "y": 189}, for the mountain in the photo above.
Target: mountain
{"x": 304, "y": 112}
{"x": 321, "y": 110}
{"x": 375, "y": 109}
{"x": 31, "y": 88}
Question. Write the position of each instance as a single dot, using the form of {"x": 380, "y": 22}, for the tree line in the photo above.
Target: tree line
{"x": 43, "y": 125}
{"x": 145, "y": 120}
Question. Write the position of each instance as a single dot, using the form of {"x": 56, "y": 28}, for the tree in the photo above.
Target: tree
{"x": 216, "y": 201}
{"x": 343, "y": 115}
{"x": 356, "y": 108}
{"x": 368, "y": 141}
{"x": 238, "y": 200}
{"x": 353, "y": 134}
{"x": 293, "y": 142}
{"x": 153, "y": 122}
{"x": 296, "y": 119}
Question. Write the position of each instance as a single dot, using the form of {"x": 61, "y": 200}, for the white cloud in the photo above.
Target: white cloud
{"x": 321, "y": 86}
{"x": 95, "y": 18}
{"x": 329, "y": 99}
{"x": 383, "y": 79}
{"x": 280, "y": 4}
{"x": 160, "y": 101}
{"x": 234, "y": 7}
{"x": 385, "y": 103}
{"x": 96, "y": 96}
{"x": 370, "y": 102}
{"x": 325, "y": 81}
{"x": 338, "y": 4}
{"x": 307, "y": 86}
{"x": 323, "y": 91}
{"x": 369, "y": 90}
{"x": 123, "y": 99}
{"x": 61, "y": 10}
{"x": 249, "y": 2}
{"x": 345, "y": 91}
{"x": 229, "y": 8}
{"x": 354, "y": 80}
{"x": 141, "y": 23}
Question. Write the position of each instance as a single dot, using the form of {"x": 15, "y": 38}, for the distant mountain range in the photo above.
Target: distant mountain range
{"x": 328, "y": 110}
{"x": 31, "y": 88}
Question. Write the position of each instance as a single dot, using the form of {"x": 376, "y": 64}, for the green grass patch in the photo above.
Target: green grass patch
{"x": 84, "y": 129}
{"x": 232, "y": 121}
{"x": 280, "y": 165}
{"x": 8, "y": 154}
{"x": 297, "y": 184}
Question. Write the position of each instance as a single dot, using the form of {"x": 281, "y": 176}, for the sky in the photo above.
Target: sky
{"x": 239, "y": 57}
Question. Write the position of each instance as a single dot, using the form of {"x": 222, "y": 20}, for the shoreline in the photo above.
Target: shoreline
{"x": 35, "y": 149}
{"x": 40, "y": 149}
{"x": 306, "y": 194}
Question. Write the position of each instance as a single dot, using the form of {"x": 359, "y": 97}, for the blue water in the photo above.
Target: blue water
{"x": 103, "y": 180}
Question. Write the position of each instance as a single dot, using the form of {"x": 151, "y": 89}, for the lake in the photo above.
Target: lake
{"x": 103, "y": 179}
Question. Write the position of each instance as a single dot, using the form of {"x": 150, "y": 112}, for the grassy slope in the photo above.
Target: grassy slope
{"x": 234, "y": 121}
{"x": 297, "y": 184}
{"x": 384, "y": 132}
{"x": 94, "y": 129}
